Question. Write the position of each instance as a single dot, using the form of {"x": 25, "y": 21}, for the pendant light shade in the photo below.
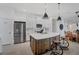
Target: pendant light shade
{"x": 45, "y": 15}
{"x": 77, "y": 12}
{"x": 59, "y": 18}
{"x": 77, "y": 24}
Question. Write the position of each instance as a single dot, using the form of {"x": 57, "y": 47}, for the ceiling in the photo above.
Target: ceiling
{"x": 67, "y": 10}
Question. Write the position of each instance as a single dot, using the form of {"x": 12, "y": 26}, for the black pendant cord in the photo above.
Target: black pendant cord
{"x": 59, "y": 18}
{"x": 58, "y": 9}
{"x": 45, "y": 13}
{"x": 45, "y": 7}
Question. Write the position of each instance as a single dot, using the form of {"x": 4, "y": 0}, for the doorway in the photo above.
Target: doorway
{"x": 19, "y": 32}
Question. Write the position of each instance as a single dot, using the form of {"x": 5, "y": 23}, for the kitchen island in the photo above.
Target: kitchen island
{"x": 41, "y": 42}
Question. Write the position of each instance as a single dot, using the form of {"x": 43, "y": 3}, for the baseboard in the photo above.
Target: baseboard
{"x": 13, "y": 43}
{"x": 6, "y": 44}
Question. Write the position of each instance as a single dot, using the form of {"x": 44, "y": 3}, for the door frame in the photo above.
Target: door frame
{"x": 13, "y": 29}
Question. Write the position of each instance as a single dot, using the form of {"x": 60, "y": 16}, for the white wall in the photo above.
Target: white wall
{"x": 54, "y": 25}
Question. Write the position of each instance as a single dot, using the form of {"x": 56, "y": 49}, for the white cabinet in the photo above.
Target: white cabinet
{"x": 6, "y": 31}
{"x": 0, "y": 46}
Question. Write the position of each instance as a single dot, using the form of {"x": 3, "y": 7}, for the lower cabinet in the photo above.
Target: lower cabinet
{"x": 39, "y": 46}
{"x": 42, "y": 46}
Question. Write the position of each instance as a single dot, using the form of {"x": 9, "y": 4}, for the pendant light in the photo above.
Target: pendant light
{"x": 45, "y": 16}
{"x": 59, "y": 18}
{"x": 77, "y": 13}
{"x": 77, "y": 24}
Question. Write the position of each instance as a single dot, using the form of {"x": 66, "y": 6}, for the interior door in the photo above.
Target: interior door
{"x": 19, "y": 32}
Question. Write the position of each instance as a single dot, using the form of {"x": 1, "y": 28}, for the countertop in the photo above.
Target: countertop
{"x": 39, "y": 36}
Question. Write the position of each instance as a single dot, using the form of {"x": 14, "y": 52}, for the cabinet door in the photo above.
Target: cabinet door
{"x": 0, "y": 46}
{"x": 33, "y": 45}
{"x": 46, "y": 44}
{"x": 39, "y": 47}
